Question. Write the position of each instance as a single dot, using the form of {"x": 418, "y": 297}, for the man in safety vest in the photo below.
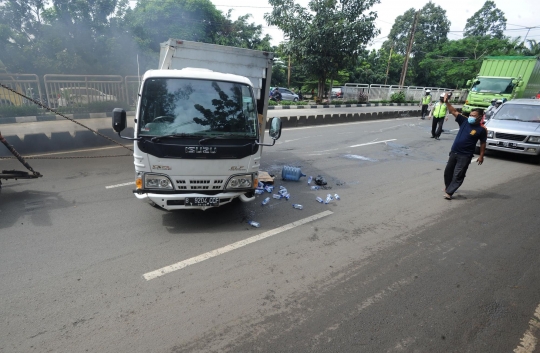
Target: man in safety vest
{"x": 424, "y": 103}
{"x": 438, "y": 112}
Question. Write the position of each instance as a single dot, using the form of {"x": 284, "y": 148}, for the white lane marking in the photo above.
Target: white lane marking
{"x": 119, "y": 185}
{"x": 529, "y": 340}
{"x": 372, "y": 143}
{"x": 182, "y": 264}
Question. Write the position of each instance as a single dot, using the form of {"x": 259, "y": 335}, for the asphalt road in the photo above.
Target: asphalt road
{"x": 391, "y": 267}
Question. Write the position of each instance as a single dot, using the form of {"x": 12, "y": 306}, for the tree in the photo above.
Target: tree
{"x": 326, "y": 36}
{"x": 457, "y": 61}
{"x": 489, "y": 20}
{"x": 533, "y": 49}
{"x": 240, "y": 33}
{"x": 431, "y": 31}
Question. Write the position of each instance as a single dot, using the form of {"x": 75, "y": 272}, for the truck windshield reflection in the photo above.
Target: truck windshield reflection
{"x": 191, "y": 107}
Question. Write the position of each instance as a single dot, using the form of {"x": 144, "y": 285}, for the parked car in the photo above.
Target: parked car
{"x": 337, "y": 92}
{"x": 288, "y": 95}
{"x": 82, "y": 95}
{"x": 515, "y": 128}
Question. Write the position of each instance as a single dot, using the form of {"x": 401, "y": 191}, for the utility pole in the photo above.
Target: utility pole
{"x": 409, "y": 49}
{"x": 388, "y": 66}
{"x": 289, "y": 74}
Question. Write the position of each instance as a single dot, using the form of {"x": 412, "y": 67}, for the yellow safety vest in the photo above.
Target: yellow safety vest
{"x": 426, "y": 100}
{"x": 439, "y": 111}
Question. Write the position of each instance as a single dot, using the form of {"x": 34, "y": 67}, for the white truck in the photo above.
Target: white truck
{"x": 199, "y": 125}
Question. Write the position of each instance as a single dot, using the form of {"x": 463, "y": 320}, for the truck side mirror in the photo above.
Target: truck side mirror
{"x": 520, "y": 83}
{"x": 275, "y": 128}
{"x": 119, "y": 119}
{"x": 469, "y": 82}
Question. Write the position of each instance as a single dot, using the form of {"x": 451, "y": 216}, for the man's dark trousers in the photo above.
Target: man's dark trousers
{"x": 436, "y": 127}
{"x": 424, "y": 110}
{"x": 455, "y": 171}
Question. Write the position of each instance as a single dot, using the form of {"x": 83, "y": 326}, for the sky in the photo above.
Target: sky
{"x": 519, "y": 14}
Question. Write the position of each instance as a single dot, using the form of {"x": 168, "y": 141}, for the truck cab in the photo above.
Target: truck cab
{"x": 198, "y": 133}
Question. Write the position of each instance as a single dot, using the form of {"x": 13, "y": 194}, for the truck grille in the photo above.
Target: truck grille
{"x": 511, "y": 137}
{"x": 199, "y": 184}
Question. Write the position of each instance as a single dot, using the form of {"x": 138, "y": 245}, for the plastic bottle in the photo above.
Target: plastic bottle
{"x": 291, "y": 173}
{"x": 287, "y": 196}
{"x": 269, "y": 188}
{"x": 276, "y": 196}
{"x": 281, "y": 187}
{"x": 254, "y": 224}
{"x": 283, "y": 192}
{"x": 265, "y": 201}
{"x": 328, "y": 198}
{"x": 297, "y": 206}
{"x": 259, "y": 191}
{"x": 336, "y": 196}
{"x": 315, "y": 187}
{"x": 260, "y": 185}
{"x": 319, "y": 199}
{"x": 309, "y": 179}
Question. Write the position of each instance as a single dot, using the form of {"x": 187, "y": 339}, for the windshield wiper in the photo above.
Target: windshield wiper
{"x": 157, "y": 138}
{"x": 224, "y": 137}
{"x": 515, "y": 119}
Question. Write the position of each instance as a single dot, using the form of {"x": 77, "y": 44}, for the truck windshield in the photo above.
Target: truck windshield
{"x": 493, "y": 85}
{"x": 519, "y": 112}
{"x": 199, "y": 108}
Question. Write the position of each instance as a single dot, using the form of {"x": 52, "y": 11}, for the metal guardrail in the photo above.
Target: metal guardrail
{"x": 23, "y": 83}
{"x": 76, "y": 90}
{"x": 374, "y": 92}
{"x": 80, "y": 90}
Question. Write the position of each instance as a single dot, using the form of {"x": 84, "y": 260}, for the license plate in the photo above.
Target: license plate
{"x": 201, "y": 201}
{"x": 508, "y": 144}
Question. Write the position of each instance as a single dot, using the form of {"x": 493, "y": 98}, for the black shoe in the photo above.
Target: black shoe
{"x": 436, "y": 137}
{"x": 432, "y": 137}
{"x": 423, "y": 118}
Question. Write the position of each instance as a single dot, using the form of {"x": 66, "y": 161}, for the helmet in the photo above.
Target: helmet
{"x": 504, "y": 100}
{"x": 493, "y": 100}
{"x": 428, "y": 91}
{"x": 499, "y": 101}
{"x": 442, "y": 95}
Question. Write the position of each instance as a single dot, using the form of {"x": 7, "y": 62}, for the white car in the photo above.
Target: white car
{"x": 82, "y": 95}
{"x": 515, "y": 128}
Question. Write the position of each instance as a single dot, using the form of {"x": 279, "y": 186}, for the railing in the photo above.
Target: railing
{"x": 377, "y": 93}
{"x": 79, "y": 90}
{"x": 132, "y": 84}
{"x": 75, "y": 90}
{"x": 27, "y": 84}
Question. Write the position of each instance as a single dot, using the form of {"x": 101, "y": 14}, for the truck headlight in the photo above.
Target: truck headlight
{"x": 490, "y": 134}
{"x": 534, "y": 139}
{"x": 154, "y": 181}
{"x": 240, "y": 182}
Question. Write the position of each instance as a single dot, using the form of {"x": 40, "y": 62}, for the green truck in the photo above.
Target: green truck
{"x": 501, "y": 77}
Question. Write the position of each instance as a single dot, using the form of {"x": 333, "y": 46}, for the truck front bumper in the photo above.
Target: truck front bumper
{"x": 193, "y": 201}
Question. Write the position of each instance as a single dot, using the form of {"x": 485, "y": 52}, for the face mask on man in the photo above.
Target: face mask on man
{"x": 471, "y": 120}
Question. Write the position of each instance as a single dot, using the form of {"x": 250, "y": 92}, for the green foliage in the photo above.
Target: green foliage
{"x": 398, "y": 97}
{"x": 108, "y": 36}
{"x": 24, "y": 110}
{"x": 457, "y": 61}
{"x": 489, "y": 20}
{"x": 325, "y": 37}
{"x": 431, "y": 32}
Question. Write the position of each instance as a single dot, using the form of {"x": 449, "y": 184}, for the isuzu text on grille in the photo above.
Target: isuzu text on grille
{"x": 201, "y": 149}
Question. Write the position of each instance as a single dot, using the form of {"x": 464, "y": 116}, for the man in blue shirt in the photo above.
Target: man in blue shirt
{"x": 470, "y": 131}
